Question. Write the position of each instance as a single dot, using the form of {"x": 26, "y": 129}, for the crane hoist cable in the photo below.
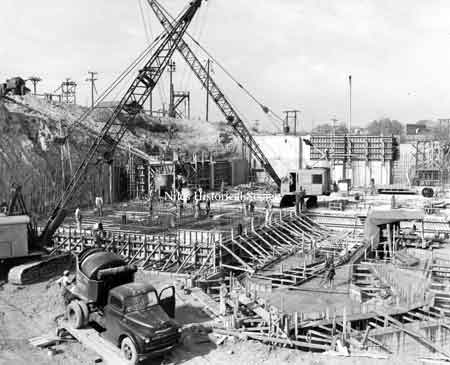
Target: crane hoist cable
{"x": 148, "y": 32}
{"x": 263, "y": 107}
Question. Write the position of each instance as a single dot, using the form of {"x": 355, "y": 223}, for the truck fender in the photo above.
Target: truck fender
{"x": 132, "y": 337}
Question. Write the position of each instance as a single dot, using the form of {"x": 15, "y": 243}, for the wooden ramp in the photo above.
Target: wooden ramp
{"x": 91, "y": 339}
{"x": 209, "y": 305}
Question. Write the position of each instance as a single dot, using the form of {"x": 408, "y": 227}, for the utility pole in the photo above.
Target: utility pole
{"x": 334, "y": 120}
{"x": 35, "y": 80}
{"x": 208, "y": 64}
{"x": 92, "y": 80}
{"x": 350, "y": 101}
{"x": 171, "y": 69}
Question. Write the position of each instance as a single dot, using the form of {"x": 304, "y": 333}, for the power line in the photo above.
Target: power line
{"x": 265, "y": 108}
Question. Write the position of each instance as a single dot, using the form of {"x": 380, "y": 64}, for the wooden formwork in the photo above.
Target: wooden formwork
{"x": 185, "y": 251}
{"x": 203, "y": 252}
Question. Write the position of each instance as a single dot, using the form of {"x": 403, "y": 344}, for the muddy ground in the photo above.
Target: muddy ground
{"x": 29, "y": 311}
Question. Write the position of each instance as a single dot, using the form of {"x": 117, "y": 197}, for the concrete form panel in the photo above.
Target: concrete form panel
{"x": 283, "y": 151}
{"x": 239, "y": 172}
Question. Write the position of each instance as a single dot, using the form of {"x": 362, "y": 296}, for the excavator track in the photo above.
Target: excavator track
{"x": 41, "y": 270}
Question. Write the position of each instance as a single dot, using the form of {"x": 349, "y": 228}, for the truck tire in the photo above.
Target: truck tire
{"x": 129, "y": 351}
{"x": 75, "y": 315}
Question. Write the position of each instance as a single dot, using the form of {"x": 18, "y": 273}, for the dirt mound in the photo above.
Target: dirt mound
{"x": 29, "y": 155}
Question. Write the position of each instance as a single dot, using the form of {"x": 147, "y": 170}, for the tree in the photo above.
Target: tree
{"x": 225, "y": 139}
{"x": 327, "y": 128}
{"x": 385, "y": 126}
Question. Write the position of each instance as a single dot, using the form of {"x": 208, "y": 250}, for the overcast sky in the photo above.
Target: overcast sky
{"x": 289, "y": 53}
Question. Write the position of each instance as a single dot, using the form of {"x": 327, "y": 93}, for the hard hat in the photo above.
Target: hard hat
{"x": 66, "y": 272}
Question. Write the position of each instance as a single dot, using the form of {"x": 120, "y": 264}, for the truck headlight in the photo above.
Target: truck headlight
{"x": 147, "y": 340}
{"x": 180, "y": 330}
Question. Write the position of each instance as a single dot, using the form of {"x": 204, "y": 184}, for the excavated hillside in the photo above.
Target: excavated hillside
{"x": 30, "y": 156}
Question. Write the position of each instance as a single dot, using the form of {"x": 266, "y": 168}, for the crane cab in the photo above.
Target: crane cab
{"x": 312, "y": 182}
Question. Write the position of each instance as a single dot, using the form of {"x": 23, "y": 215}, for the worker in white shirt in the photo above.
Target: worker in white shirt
{"x": 99, "y": 205}
{"x": 64, "y": 282}
{"x": 78, "y": 218}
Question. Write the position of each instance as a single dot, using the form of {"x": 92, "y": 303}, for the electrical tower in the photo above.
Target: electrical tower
{"x": 92, "y": 80}
{"x": 69, "y": 91}
{"x": 171, "y": 67}
{"x": 290, "y": 118}
{"x": 34, "y": 80}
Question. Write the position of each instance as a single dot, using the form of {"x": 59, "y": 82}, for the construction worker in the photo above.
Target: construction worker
{"x": 252, "y": 207}
{"x": 64, "y": 283}
{"x": 197, "y": 208}
{"x": 223, "y": 294}
{"x": 331, "y": 274}
{"x": 246, "y": 207}
{"x": 99, "y": 235}
{"x": 266, "y": 211}
{"x": 99, "y": 205}
{"x": 297, "y": 203}
{"x": 150, "y": 202}
{"x": 208, "y": 206}
{"x": 239, "y": 229}
{"x": 78, "y": 218}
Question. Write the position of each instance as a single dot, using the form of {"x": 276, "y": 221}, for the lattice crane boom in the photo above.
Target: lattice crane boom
{"x": 231, "y": 116}
{"x": 129, "y": 106}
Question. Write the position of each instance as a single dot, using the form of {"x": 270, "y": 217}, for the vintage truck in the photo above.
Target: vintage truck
{"x": 131, "y": 315}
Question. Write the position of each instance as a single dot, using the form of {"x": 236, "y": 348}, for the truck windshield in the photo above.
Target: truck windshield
{"x": 140, "y": 302}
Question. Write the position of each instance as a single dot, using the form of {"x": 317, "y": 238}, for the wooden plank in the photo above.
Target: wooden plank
{"x": 91, "y": 339}
{"x": 266, "y": 338}
{"x": 211, "y": 305}
{"x": 417, "y": 336}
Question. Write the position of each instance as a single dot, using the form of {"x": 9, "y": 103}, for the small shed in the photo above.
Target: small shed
{"x": 13, "y": 236}
{"x": 380, "y": 217}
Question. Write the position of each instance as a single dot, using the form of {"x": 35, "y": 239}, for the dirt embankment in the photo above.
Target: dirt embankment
{"x": 30, "y": 156}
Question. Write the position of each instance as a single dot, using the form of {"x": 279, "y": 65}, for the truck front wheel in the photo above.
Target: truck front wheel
{"x": 75, "y": 314}
{"x": 129, "y": 351}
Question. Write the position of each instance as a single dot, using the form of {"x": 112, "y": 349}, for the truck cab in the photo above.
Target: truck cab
{"x": 136, "y": 311}
{"x": 131, "y": 315}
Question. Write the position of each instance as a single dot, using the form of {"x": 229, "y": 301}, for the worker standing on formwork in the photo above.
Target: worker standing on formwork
{"x": 150, "y": 203}
{"x": 252, "y": 207}
{"x": 208, "y": 206}
{"x": 99, "y": 205}
{"x": 223, "y": 293}
{"x": 99, "y": 235}
{"x": 78, "y": 218}
{"x": 197, "y": 208}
